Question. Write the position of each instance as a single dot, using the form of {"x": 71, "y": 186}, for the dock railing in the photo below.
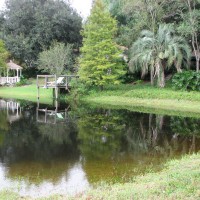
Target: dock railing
{"x": 53, "y": 81}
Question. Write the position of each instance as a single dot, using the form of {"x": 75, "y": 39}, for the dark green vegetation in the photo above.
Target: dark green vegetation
{"x": 3, "y": 57}
{"x": 187, "y": 80}
{"x": 136, "y": 16}
{"x": 29, "y": 27}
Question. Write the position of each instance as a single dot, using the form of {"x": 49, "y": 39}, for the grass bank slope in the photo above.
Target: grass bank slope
{"x": 145, "y": 96}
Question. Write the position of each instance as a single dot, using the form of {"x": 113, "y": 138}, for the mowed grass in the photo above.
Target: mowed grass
{"x": 27, "y": 92}
{"x": 179, "y": 179}
{"x": 132, "y": 97}
{"x": 146, "y": 96}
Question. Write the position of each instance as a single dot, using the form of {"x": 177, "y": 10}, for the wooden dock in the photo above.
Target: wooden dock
{"x": 55, "y": 82}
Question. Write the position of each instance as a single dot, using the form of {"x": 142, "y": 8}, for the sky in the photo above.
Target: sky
{"x": 82, "y": 6}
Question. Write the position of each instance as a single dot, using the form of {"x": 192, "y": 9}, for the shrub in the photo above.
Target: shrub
{"x": 187, "y": 80}
{"x": 23, "y": 81}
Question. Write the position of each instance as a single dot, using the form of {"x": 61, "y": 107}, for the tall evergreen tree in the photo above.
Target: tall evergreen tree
{"x": 100, "y": 61}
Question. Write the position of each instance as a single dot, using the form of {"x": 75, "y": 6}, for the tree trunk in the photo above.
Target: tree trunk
{"x": 197, "y": 63}
{"x": 152, "y": 76}
{"x": 161, "y": 75}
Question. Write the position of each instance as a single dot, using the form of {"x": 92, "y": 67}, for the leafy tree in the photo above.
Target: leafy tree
{"x": 31, "y": 26}
{"x": 190, "y": 26}
{"x": 56, "y": 59}
{"x": 3, "y": 56}
{"x": 134, "y": 16}
{"x": 99, "y": 63}
{"x": 157, "y": 52}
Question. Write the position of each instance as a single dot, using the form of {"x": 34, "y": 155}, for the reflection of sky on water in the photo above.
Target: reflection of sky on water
{"x": 72, "y": 182}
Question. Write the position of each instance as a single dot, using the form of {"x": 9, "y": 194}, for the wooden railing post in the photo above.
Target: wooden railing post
{"x": 37, "y": 81}
{"x": 45, "y": 82}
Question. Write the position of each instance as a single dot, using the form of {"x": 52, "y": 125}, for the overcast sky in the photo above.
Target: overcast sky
{"x": 82, "y": 6}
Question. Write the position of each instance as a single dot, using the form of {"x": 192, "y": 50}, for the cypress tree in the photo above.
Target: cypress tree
{"x": 100, "y": 63}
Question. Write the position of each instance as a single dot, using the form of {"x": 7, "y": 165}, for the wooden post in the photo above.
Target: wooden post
{"x": 17, "y": 73}
{"x": 7, "y": 75}
{"x": 56, "y": 105}
{"x": 45, "y": 82}
{"x": 45, "y": 120}
{"x": 38, "y": 92}
{"x": 67, "y": 82}
{"x": 37, "y": 114}
{"x": 56, "y": 92}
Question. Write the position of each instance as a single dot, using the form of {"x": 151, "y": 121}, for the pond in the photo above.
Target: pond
{"x": 46, "y": 150}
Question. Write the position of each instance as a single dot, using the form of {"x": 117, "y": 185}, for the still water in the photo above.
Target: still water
{"x": 48, "y": 150}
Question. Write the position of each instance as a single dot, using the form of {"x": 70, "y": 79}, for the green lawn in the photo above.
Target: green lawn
{"x": 139, "y": 97}
{"x": 28, "y": 92}
{"x": 142, "y": 98}
{"x": 133, "y": 97}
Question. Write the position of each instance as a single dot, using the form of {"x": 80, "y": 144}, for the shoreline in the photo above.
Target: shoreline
{"x": 139, "y": 98}
{"x": 179, "y": 179}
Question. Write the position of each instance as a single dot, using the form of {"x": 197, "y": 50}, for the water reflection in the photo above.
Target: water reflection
{"x": 72, "y": 181}
{"x": 12, "y": 108}
{"x": 44, "y": 153}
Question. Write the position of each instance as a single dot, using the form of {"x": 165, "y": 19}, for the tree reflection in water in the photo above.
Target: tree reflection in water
{"x": 99, "y": 144}
{"x": 124, "y": 143}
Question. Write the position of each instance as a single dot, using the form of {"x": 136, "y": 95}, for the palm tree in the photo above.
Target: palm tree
{"x": 156, "y": 52}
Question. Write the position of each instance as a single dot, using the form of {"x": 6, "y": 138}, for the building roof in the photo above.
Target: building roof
{"x": 12, "y": 65}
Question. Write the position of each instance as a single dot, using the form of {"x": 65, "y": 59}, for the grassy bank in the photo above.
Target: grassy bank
{"x": 27, "y": 92}
{"x": 180, "y": 179}
{"x": 145, "y": 96}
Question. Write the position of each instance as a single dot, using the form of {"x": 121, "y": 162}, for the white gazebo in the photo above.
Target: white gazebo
{"x": 17, "y": 74}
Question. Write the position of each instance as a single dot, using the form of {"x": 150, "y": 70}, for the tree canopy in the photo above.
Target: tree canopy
{"x": 3, "y": 56}
{"x": 31, "y": 26}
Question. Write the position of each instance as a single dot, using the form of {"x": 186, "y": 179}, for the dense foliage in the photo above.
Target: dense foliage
{"x": 155, "y": 52}
{"x": 57, "y": 59}
{"x": 30, "y": 26}
{"x": 135, "y": 16}
{"x": 100, "y": 60}
{"x": 187, "y": 80}
{"x": 3, "y": 56}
